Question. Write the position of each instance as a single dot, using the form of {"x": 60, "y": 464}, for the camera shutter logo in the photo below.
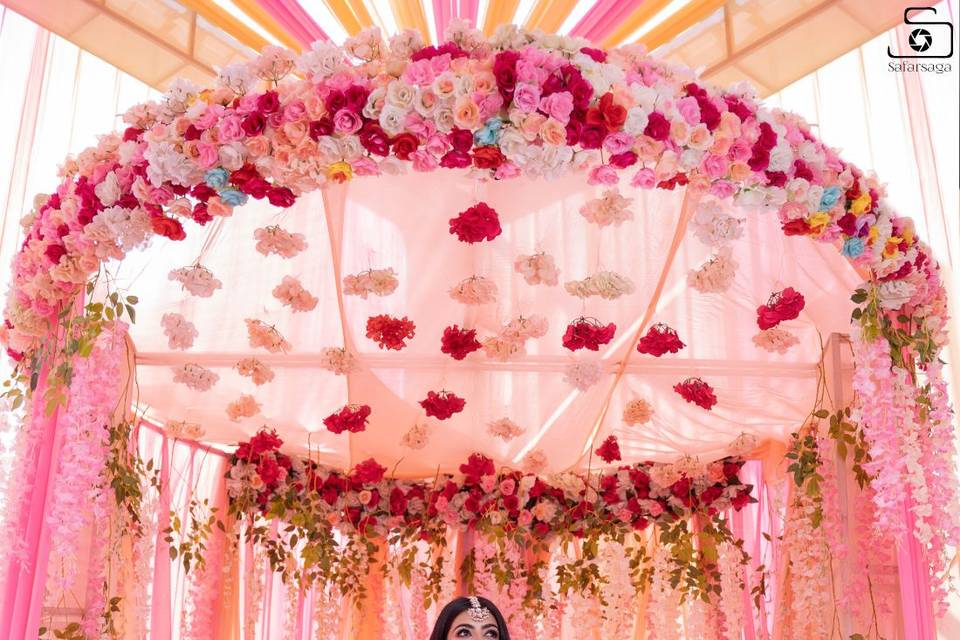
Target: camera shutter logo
{"x": 927, "y": 38}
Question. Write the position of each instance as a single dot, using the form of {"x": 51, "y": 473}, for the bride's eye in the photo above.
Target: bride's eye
{"x": 493, "y": 634}
{"x": 463, "y": 633}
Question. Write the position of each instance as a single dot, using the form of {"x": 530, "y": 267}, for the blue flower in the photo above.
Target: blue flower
{"x": 217, "y": 178}
{"x": 485, "y": 136}
{"x": 494, "y": 123}
{"x": 233, "y": 197}
{"x": 853, "y": 247}
{"x": 829, "y": 197}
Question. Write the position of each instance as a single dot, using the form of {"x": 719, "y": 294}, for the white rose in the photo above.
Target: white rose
{"x": 400, "y": 94}
{"x": 392, "y": 118}
{"x": 232, "y": 156}
{"x": 108, "y": 191}
{"x": 636, "y": 120}
{"x": 350, "y": 147}
{"x": 781, "y": 157}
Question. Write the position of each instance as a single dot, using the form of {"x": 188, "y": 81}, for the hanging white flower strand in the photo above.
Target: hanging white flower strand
{"x": 277, "y": 241}
{"x": 714, "y": 227}
{"x": 610, "y": 209}
{"x": 475, "y": 290}
{"x": 716, "y": 274}
{"x": 505, "y": 429}
{"x": 609, "y": 285}
{"x": 583, "y": 373}
{"x": 197, "y": 279}
{"x": 539, "y": 268}
{"x": 379, "y": 282}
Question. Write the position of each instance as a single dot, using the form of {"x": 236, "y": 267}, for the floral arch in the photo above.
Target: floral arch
{"x": 532, "y": 131}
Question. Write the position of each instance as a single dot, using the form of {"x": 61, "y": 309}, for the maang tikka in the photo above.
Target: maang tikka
{"x": 477, "y": 613}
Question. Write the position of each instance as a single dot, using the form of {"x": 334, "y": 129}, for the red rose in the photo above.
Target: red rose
{"x": 321, "y": 127}
{"x": 609, "y": 451}
{"x": 131, "y": 134}
{"x": 660, "y": 339}
{"x": 612, "y": 114}
{"x": 349, "y": 418}
{"x": 355, "y": 98}
{"x": 368, "y": 472}
{"x": 783, "y": 305}
{"x": 623, "y": 160}
{"x": 192, "y": 133}
{"x": 244, "y": 173}
{"x": 658, "y": 127}
{"x": 479, "y": 222}
{"x": 597, "y": 55}
{"x": 731, "y": 470}
{"x": 797, "y": 227}
{"x": 574, "y": 129}
{"x": 389, "y": 332}
{"x": 710, "y": 494}
{"x": 541, "y": 529}
{"x": 168, "y": 227}
{"x": 203, "y": 192}
{"x": 374, "y": 139}
{"x": 455, "y": 160}
{"x": 592, "y": 135}
{"x": 398, "y": 502}
{"x": 405, "y": 144}
{"x": 255, "y": 187}
{"x": 442, "y": 405}
{"x": 269, "y": 470}
{"x": 476, "y": 466}
{"x": 263, "y": 442}
{"x": 580, "y": 89}
{"x": 460, "y": 140}
{"x": 584, "y": 333}
{"x": 488, "y": 157}
{"x": 742, "y": 499}
{"x": 281, "y": 197}
{"x": 253, "y": 124}
{"x": 54, "y": 252}
{"x": 696, "y": 391}
{"x": 268, "y": 102}
{"x": 458, "y": 343}
{"x": 505, "y": 72}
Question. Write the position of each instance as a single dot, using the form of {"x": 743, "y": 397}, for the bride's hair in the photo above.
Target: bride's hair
{"x": 457, "y": 606}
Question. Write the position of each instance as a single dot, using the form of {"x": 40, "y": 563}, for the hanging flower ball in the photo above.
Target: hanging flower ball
{"x": 609, "y": 450}
{"x": 660, "y": 339}
{"x": 442, "y": 405}
{"x": 637, "y": 411}
{"x": 459, "y": 343}
{"x": 350, "y": 418}
{"x": 782, "y": 305}
{"x": 476, "y": 224}
{"x": 696, "y": 391}
{"x": 588, "y": 333}
{"x": 775, "y": 340}
{"x": 390, "y": 332}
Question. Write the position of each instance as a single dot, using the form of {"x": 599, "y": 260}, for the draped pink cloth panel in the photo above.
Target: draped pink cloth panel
{"x": 445, "y": 10}
{"x": 295, "y": 19}
{"x": 603, "y": 17}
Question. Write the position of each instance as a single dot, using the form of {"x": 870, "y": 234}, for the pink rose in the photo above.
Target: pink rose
{"x": 488, "y": 483}
{"x": 722, "y": 188}
{"x": 365, "y": 166}
{"x": 508, "y": 486}
{"x": 619, "y": 142}
{"x": 715, "y": 166}
{"x": 489, "y": 104}
{"x": 294, "y": 111}
{"x": 346, "y": 121}
{"x": 740, "y": 150}
{"x": 506, "y": 171}
{"x": 644, "y": 178}
{"x": 526, "y": 98}
{"x": 207, "y": 155}
{"x": 604, "y": 174}
{"x": 558, "y": 106}
{"x": 230, "y": 129}
{"x": 525, "y": 518}
{"x": 655, "y": 509}
{"x": 689, "y": 110}
{"x": 423, "y": 161}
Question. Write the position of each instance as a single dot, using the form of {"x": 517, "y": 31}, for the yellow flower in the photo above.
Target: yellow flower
{"x": 892, "y": 247}
{"x": 907, "y": 236}
{"x": 874, "y": 232}
{"x": 861, "y": 204}
{"x": 340, "y": 171}
{"x": 819, "y": 220}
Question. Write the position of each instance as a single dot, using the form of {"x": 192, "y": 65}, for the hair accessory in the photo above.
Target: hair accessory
{"x": 477, "y": 613}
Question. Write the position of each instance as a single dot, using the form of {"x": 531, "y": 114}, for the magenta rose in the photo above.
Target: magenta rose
{"x": 658, "y": 127}
{"x": 346, "y": 121}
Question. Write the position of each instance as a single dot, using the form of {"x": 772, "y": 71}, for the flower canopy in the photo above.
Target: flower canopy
{"x": 525, "y": 253}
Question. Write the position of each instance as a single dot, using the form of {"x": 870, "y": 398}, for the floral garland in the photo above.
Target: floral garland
{"x": 508, "y": 506}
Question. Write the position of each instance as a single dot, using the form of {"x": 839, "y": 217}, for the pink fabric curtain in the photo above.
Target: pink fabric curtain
{"x": 295, "y": 19}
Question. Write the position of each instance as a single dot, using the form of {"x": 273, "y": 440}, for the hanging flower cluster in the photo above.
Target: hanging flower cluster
{"x": 476, "y": 224}
{"x": 259, "y": 372}
{"x": 535, "y": 462}
{"x": 442, "y": 405}
{"x": 605, "y": 284}
{"x": 782, "y": 305}
{"x": 246, "y": 406}
{"x": 501, "y": 349}
{"x": 539, "y": 268}
{"x": 660, "y": 339}
{"x": 775, "y": 340}
{"x": 416, "y": 437}
{"x": 390, "y": 332}
{"x": 611, "y": 209}
{"x": 262, "y": 335}
{"x": 352, "y": 418}
{"x": 379, "y": 282}
{"x": 180, "y": 332}
{"x": 588, "y": 333}
{"x": 609, "y": 450}
{"x": 505, "y": 429}
{"x": 292, "y": 294}
{"x": 459, "y": 343}
{"x": 195, "y": 376}
{"x": 184, "y": 430}
{"x": 583, "y": 373}
{"x": 696, "y": 391}
{"x": 716, "y": 274}
{"x": 197, "y": 279}
{"x": 337, "y": 360}
{"x": 475, "y": 290}
{"x": 278, "y": 241}
{"x": 713, "y": 227}
{"x": 523, "y": 328}
{"x": 637, "y": 411}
